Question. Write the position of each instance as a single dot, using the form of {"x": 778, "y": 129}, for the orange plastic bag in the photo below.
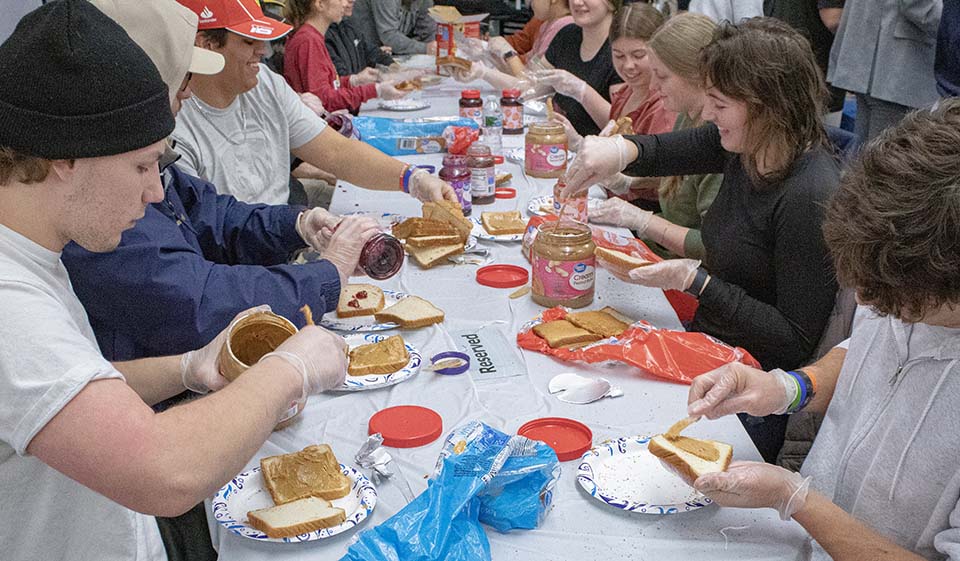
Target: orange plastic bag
{"x": 678, "y": 356}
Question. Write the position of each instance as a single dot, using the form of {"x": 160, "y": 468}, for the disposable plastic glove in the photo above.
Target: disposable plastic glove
{"x": 346, "y": 243}
{"x": 388, "y": 91}
{"x": 564, "y": 83}
{"x": 366, "y": 76}
{"x": 672, "y": 274}
{"x": 426, "y": 188}
{"x": 756, "y": 485}
{"x": 618, "y": 184}
{"x": 476, "y": 72}
{"x": 618, "y": 212}
{"x": 499, "y": 47}
{"x": 573, "y": 137}
{"x": 319, "y": 356}
{"x": 199, "y": 370}
{"x": 599, "y": 157}
{"x": 315, "y": 227}
{"x": 738, "y": 388}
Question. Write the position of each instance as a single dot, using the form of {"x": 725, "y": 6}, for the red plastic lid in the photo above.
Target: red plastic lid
{"x": 511, "y": 93}
{"x": 505, "y": 192}
{"x": 498, "y": 159}
{"x": 469, "y": 94}
{"x": 502, "y": 276}
{"x": 406, "y": 426}
{"x": 568, "y": 438}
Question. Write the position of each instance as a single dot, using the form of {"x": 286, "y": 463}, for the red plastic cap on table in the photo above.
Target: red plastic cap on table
{"x": 406, "y": 426}
{"x": 568, "y": 438}
{"x": 502, "y": 276}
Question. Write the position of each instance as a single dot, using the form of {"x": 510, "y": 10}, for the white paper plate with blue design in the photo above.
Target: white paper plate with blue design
{"x": 624, "y": 474}
{"x": 480, "y": 233}
{"x": 374, "y": 381}
{"x": 247, "y": 492}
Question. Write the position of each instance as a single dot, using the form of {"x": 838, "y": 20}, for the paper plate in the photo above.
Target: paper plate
{"x": 624, "y": 474}
{"x": 374, "y": 381}
{"x": 363, "y": 323}
{"x": 535, "y": 207}
{"x": 247, "y": 492}
{"x": 482, "y": 234}
{"x": 403, "y": 105}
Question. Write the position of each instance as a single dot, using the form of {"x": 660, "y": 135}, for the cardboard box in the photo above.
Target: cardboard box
{"x": 450, "y": 22}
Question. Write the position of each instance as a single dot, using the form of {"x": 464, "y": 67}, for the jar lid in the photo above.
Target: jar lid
{"x": 502, "y": 276}
{"x": 406, "y": 426}
{"x": 544, "y": 127}
{"x": 454, "y": 160}
{"x": 477, "y": 149}
{"x": 568, "y": 438}
{"x": 511, "y": 93}
{"x": 470, "y": 94}
{"x": 504, "y": 193}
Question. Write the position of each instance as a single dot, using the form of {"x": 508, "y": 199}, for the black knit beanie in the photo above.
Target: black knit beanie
{"x": 74, "y": 85}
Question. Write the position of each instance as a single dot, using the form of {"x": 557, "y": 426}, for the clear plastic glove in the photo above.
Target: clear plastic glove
{"x": 476, "y": 72}
{"x": 366, "y": 76}
{"x": 618, "y": 212}
{"x": 320, "y": 357}
{"x": 672, "y": 274}
{"x": 738, "y": 388}
{"x": 599, "y": 157}
{"x": 618, "y": 184}
{"x": 427, "y": 188}
{"x": 199, "y": 370}
{"x": 756, "y": 485}
{"x": 574, "y": 139}
{"x": 564, "y": 83}
{"x": 315, "y": 227}
{"x": 313, "y": 103}
{"x": 499, "y": 47}
{"x": 346, "y": 243}
{"x": 388, "y": 90}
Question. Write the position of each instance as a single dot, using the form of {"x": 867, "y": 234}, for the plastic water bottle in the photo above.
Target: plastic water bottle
{"x": 493, "y": 125}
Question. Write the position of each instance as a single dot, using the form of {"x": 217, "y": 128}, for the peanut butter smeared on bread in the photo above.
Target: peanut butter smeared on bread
{"x": 697, "y": 447}
{"x": 311, "y": 472}
{"x": 383, "y": 357}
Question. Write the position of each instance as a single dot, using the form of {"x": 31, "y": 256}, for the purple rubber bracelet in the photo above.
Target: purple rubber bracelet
{"x": 453, "y": 369}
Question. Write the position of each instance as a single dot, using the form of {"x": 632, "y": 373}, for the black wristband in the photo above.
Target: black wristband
{"x": 696, "y": 287}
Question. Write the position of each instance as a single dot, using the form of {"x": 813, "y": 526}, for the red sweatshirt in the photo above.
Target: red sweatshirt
{"x": 308, "y": 68}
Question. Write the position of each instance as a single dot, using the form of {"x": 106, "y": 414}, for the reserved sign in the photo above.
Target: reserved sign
{"x": 491, "y": 354}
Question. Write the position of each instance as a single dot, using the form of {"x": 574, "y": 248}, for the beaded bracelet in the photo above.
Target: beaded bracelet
{"x": 806, "y": 391}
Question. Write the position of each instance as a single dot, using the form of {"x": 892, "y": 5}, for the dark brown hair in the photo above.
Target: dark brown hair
{"x": 216, "y": 36}
{"x": 17, "y": 166}
{"x": 635, "y": 21}
{"x": 297, "y": 11}
{"x": 765, "y": 64}
{"x": 893, "y": 226}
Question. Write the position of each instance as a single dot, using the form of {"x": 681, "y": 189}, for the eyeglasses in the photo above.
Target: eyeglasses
{"x": 186, "y": 82}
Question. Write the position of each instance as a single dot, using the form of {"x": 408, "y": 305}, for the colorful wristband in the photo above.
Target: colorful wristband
{"x": 806, "y": 393}
{"x": 405, "y": 178}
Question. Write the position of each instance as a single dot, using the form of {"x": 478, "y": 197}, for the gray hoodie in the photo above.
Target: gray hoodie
{"x": 388, "y": 22}
{"x": 889, "y": 448}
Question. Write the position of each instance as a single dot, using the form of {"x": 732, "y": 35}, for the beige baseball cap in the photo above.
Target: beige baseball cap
{"x": 165, "y": 30}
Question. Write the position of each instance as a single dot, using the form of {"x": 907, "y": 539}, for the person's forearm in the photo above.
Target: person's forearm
{"x": 826, "y": 371}
{"x": 597, "y": 107}
{"x": 154, "y": 379}
{"x": 500, "y": 80}
{"x": 844, "y": 537}
{"x": 339, "y": 155}
{"x": 667, "y": 234}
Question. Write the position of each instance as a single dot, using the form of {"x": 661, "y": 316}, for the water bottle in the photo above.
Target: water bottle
{"x": 493, "y": 125}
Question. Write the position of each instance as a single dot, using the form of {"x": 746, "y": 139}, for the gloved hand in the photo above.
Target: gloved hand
{"x": 426, "y": 188}
{"x": 476, "y": 72}
{"x": 315, "y": 227}
{"x": 199, "y": 370}
{"x": 619, "y": 212}
{"x": 366, "y": 76}
{"x": 346, "y": 243}
{"x": 564, "y": 83}
{"x": 756, "y": 485}
{"x": 599, "y": 158}
{"x": 387, "y": 90}
{"x": 738, "y": 388}
{"x": 618, "y": 184}
{"x": 573, "y": 137}
{"x": 319, "y": 355}
{"x": 672, "y": 274}
{"x": 313, "y": 103}
{"x": 499, "y": 47}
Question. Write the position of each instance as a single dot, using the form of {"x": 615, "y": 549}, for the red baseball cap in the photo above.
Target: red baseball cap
{"x": 243, "y": 17}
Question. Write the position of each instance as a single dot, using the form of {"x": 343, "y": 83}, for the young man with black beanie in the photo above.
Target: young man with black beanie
{"x": 83, "y": 118}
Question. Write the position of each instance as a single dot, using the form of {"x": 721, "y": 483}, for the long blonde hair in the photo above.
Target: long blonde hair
{"x": 678, "y": 44}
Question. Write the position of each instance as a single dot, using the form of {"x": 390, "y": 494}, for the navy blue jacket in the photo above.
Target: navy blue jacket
{"x": 189, "y": 266}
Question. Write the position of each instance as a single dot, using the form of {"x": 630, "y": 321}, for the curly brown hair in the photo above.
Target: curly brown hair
{"x": 770, "y": 67}
{"x": 20, "y": 167}
{"x": 893, "y": 226}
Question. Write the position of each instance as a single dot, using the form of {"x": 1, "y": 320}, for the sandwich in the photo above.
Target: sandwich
{"x": 617, "y": 314}
{"x": 502, "y": 179}
{"x": 562, "y": 333}
{"x": 311, "y": 472}
{"x": 409, "y": 85}
{"x": 411, "y": 312}
{"x": 451, "y": 213}
{"x": 503, "y": 223}
{"x": 417, "y": 227}
{"x": 598, "y": 322}
{"x": 619, "y": 260}
{"x": 428, "y": 257}
{"x": 359, "y": 300}
{"x": 296, "y": 517}
{"x": 690, "y": 457}
{"x": 384, "y": 357}
{"x": 454, "y": 61}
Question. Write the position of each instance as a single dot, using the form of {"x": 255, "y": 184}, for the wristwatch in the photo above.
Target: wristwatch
{"x": 696, "y": 287}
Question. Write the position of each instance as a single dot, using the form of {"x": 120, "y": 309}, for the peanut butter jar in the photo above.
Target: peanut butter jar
{"x": 545, "y": 150}
{"x": 248, "y": 340}
{"x": 563, "y": 265}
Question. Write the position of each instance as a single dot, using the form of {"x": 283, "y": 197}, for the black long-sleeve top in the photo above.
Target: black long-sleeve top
{"x": 772, "y": 284}
{"x": 350, "y": 52}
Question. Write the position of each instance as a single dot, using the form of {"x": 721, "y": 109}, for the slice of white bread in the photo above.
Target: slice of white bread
{"x": 434, "y": 240}
{"x": 562, "y": 333}
{"x": 620, "y": 260}
{"x": 359, "y": 300}
{"x": 411, "y": 312}
{"x": 428, "y": 257}
{"x": 422, "y": 227}
{"x": 599, "y": 322}
{"x": 297, "y": 517}
{"x": 449, "y": 212}
{"x": 618, "y": 314}
{"x": 691, "y": 457}
{"x": 311, "y": 472}
{"x": 384, "y": 357}
{"x": 503, "y": 223}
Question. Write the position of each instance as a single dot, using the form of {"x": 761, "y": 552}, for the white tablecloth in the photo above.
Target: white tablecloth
{"x": 578, "y": 527}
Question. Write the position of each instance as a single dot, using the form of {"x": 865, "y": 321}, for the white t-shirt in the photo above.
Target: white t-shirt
{"x": 48, "y": 355}
{"x": 244, "y": 150}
